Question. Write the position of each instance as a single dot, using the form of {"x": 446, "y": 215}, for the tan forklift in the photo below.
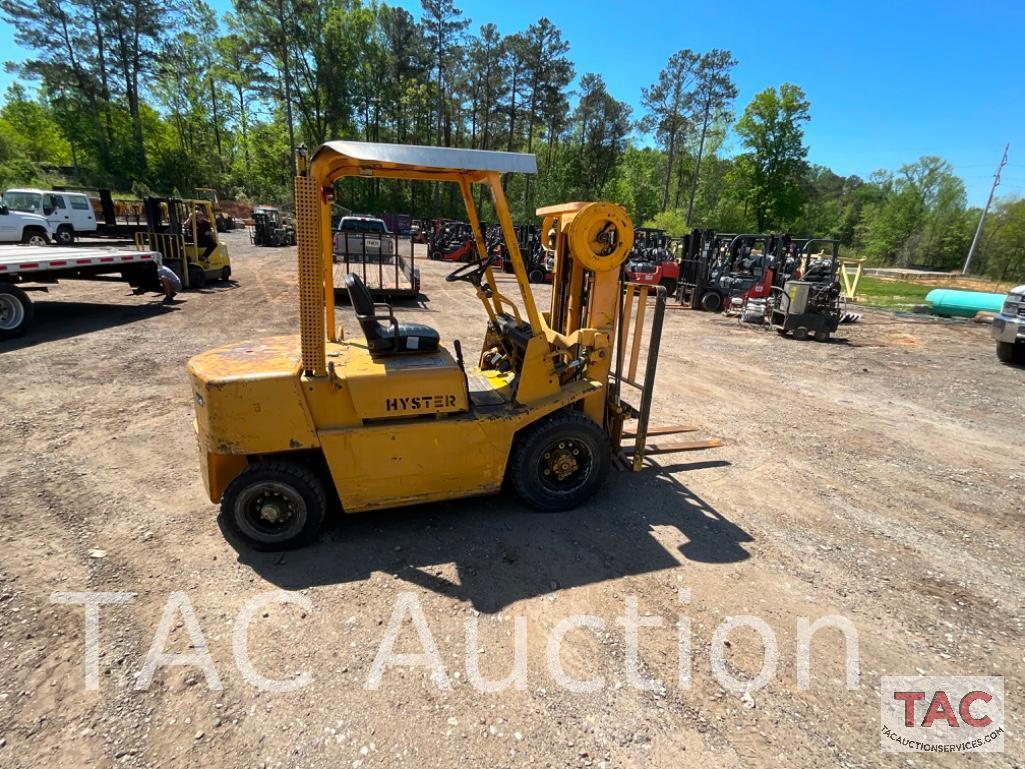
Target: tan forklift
{"x": 394, "y": 417}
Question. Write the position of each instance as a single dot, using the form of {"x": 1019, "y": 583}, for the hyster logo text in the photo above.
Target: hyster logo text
{"x": 419, "y": 403}
{"x": 942, "y": 714}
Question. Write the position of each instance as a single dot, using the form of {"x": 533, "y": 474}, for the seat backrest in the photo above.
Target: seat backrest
{"x": 363, "y": 304}
{"x": 359, "y": 295}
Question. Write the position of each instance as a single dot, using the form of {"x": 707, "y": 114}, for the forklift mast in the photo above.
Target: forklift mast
{"x": 590, "y": 242}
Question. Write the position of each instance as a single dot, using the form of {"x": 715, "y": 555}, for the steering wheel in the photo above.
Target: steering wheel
{"x": 472, "y": 272}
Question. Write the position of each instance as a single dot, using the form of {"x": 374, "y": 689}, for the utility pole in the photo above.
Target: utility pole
{"x": 989, "y": 201}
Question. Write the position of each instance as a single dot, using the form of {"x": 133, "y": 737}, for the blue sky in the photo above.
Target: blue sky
{"x": 888, "y": 82}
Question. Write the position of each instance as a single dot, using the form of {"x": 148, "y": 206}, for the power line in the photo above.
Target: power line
{"x": 989, "y": 200}
{"x": 985, "y": 165}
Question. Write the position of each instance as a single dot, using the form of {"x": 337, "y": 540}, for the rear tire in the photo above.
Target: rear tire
{"x": 669, "y": 285}
{"x": 65, "y": 235}
{"x": 536, "y": 275}
{"x": 275, "y": 505}
{"x": 1010, "y": 352}
{"x": 560, "y": 461}
{"x": 226, "y": 274}
{"x": 16, "y": 311}
{"x": 711, "y": 302}
{"x": 821, "y": 336}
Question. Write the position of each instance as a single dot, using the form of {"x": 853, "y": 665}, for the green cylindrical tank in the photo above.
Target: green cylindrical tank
{"x": 951, "y": 302}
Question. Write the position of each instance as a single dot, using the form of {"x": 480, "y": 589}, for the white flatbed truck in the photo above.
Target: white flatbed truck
{"x": 33, "y": 268}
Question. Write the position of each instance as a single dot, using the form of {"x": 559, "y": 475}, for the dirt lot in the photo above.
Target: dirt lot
{"x": 880, "y": 477}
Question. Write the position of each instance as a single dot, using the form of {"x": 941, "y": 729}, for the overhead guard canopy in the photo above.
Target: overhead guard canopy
{"x": 339, "y": 158}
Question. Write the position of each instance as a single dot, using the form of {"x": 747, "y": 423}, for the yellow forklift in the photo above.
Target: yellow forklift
{"x": 175, "y": 228}
{"x": 394, "y": 417}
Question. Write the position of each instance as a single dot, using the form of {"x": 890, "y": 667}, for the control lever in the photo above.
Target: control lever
{"x": 459, "y": 362}
{"x": 459, "y": 354}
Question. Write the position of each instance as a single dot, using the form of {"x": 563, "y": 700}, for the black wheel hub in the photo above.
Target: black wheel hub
{"x": 269, "y": 510}
{"x": 274, "y": 509}
{"x": 565, "y": 465}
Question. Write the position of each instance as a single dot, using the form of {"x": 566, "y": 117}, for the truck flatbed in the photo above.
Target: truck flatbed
{"x": 23, "y": 265}
{"x": 20, "y": 260}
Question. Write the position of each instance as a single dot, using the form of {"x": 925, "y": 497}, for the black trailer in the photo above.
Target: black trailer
{"x": 385, "y": 261}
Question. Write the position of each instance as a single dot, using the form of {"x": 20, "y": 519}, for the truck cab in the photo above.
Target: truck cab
{"x": 70, "y": 214}
{"x": 20, "y": 227}
{"x": 364, "y": 237}
{"x": 1009, "y": 327}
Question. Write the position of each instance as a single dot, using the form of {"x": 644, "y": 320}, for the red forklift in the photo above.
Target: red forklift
{"x": 651, "y": 261}
{"x": 758, "y": 264}
{"x": 722, "y": 271}
{"x": 451, "y": 241}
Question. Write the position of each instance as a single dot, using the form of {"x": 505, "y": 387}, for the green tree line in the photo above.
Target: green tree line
{"x": 140, "y": 95}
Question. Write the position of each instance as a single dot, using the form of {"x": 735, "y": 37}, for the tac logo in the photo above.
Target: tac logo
{"x": 942, "y": 714}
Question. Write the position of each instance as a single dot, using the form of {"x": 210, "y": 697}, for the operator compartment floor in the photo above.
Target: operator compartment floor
{"x": 489, "y": 388}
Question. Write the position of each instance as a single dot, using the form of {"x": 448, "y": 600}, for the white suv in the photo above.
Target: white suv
{"x": 70, "y": 213}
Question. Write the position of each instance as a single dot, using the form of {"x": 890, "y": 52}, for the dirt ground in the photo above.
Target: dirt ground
{"x": 880, "y": 477}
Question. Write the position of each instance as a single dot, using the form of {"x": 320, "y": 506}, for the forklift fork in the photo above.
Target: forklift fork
{"x": 627, "y": 358}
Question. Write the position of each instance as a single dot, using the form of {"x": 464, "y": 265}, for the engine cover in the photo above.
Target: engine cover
{"x": 412, "y": 385}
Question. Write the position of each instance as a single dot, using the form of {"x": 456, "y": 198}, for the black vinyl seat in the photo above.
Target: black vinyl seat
{"x": 392, "y": 337}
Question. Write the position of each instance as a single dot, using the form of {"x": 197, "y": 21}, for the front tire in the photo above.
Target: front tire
{"x": 560, "y": 461}
{"x": 536, "y": 275}
{"x": 34, "y": 237}
{"x": 711, "y": 302}
{"x": 16, "y": 311}
{"x": 275, "y": 505}
{"x": 669, "y": 285}
{"x": 1010, "y": 352}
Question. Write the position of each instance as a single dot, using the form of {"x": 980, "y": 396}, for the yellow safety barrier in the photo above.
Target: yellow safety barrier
{"x": 851, "y": 283}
